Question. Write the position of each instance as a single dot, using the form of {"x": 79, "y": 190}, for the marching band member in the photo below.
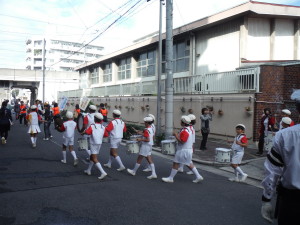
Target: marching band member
{"x": 87, "y": 121}
{"x": 184, "y": 151}
{"x": 282, "y": 168}
{"x": 238, "y": 145}
{"x": 96, "y": 132}
{"x": 115, "y": 129}
{"x": 193, "y": 122}
{"x": 69, "y": 129}
{"x": 286, "y": 114}
{"x": 286, "y": 122}
{"x": 34, "y": 127}
{"x": 145, "y": 149}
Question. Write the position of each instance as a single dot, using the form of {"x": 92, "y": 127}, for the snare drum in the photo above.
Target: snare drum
{"x": 105, "y": 140}
{"x": 83, "y": 144}
{"x": 268, "y": 144}
{"x": 134, "y": 137}
{"x": 133, "y": 147}
{"x": 222, "y": 155}
{"x": 168, "y": 147}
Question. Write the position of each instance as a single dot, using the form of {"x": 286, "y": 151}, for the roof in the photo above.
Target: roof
{"x": 258, "y": 8}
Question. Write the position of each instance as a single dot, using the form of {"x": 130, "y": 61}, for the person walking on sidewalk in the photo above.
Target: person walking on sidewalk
{"x": 5, "y": 122}
{"x": 266, "y": 126}
{"x": 47, "y": 122}
{"x": 96, "y": 131}
{"x": 33, "y": 118}
{"x": 238, "y": 144}
{"x": 68, "y": 127}
{"x": 205, "y": 118}
{"x": 115, "y": 128}
{"x": 145, "y": 149}
{"x": 104, "y": 112}
{"x": 184, "y": 151}
{"x": 282, "y": 169}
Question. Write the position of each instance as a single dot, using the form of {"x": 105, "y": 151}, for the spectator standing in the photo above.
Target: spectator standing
{"x": 205, "y": 130}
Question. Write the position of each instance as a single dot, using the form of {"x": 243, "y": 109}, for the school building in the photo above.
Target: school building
{"x": 237, "y": 62}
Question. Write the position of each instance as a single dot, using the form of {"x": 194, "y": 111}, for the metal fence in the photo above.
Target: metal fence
{"x": 246, "y": 80}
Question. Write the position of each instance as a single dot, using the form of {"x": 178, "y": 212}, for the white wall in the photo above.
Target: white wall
{"x": 284, "y": 40}
{"x": 258, "y": 43}
{"x": 217, "y": 48}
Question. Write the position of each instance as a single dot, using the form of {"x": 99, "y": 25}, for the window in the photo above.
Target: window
{"x": 107, "y": 73}
{"x": 181, "y": 57}
{"x": 146, "y": 64}
{"x": 124, "y": 71}
{"x": 94, "y": 76}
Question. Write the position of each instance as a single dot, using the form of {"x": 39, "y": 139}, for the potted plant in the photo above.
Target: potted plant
{"x": 220, "y": 112}
{"x": 182, "y": 109}
{"x": 147, "y": 107}
{"x": 191, "y": 111}
{"x": 248, "y": 110}
{"x": 143, "y": 108}
{"x": 120, "y": 107}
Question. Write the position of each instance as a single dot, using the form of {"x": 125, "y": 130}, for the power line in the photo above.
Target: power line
{"x": 101, "y": 32}
{"x": 40, "y": 21}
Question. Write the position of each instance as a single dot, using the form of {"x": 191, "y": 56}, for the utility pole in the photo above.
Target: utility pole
{"x": 169, "y": 68}
{"x": 158, "y": 112}
{"x": 44, "y": 53}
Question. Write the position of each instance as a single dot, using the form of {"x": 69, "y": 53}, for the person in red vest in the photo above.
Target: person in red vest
{"x": 104, "y": 112}
{"x": 23, "y": 112}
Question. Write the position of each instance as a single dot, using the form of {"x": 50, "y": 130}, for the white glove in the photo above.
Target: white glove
{"x": 267, "y": 211}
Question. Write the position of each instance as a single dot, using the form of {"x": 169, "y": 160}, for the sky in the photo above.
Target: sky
{"x": 113, "y": 24}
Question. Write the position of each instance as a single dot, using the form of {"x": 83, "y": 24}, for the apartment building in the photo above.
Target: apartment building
{"x": 60, "y": 55}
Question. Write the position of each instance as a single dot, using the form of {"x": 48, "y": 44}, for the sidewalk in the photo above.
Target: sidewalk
{"x": 251, "y": 164}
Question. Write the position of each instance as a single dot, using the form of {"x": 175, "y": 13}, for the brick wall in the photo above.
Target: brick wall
{"x": 276, "y": 85}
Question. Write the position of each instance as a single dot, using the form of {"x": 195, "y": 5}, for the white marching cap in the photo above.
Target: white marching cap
{"x": 69, "y": 115}
{"x": 93, "y": 107}
{"x": 286, "y": 111}
{"x": 286, "y": 120}
{"x": 117, "y": 112}
{"x": 186, "y": 119}
{"x": 192, "y": 116}
{"x": 152, "y": 116}
{"x": 241, "y": 125}
{"x": 33, "y": 107}
{"x": 296, "y": 95}
{"x": 148, "y": 119}
{"x": 99, "y": 116}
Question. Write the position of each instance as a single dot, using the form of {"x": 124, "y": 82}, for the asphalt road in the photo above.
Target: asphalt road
{"x": 37, "y": 189}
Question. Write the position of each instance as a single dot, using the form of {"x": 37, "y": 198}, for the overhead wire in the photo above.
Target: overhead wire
{"x": 109, "y": 26}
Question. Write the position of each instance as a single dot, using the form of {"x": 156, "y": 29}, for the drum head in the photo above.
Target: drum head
{"x": 80, "y": 126}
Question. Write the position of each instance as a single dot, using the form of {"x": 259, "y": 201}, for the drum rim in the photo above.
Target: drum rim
{"x": 77, "y": 125}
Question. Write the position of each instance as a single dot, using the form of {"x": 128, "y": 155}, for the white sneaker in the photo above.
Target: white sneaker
{"x": 131, "y": 172}
{"x": 189, "y": 172}
{"x": 63, "y": 161}
{"x": 244, "y": 177}
{"x": 102, "y": 176}
{"x": 152, "y": 177}
{"x": 76, "y": 162}
{"x": 34, "y": 145}
{"x": 197, "y": 180}
{"x": 87, "y": 172}
{"x": 167, "y": 179}
{"x": 180, "y": 170}
{"x": 121, "y": 168}
{"x": 3, "y": 140}
{"x": 234, "y": 179}
{"x": 147, "y": 170}
{"x": 46, "y": 139}
{"x": 107, "y": 165}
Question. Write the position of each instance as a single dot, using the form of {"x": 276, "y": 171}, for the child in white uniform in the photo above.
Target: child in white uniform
{"x": 184, "y": 151}
{"x": 240, "y": 141}
{"x": 96, "y": 132}
{"x": 193, "y": 122}
{"x": 115, "y": 129}
{"x": 34, "y": 127}
{"x": 87, "y": 121}
{"x": 145, "y": 149}
{"x": 68, "y": 127}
